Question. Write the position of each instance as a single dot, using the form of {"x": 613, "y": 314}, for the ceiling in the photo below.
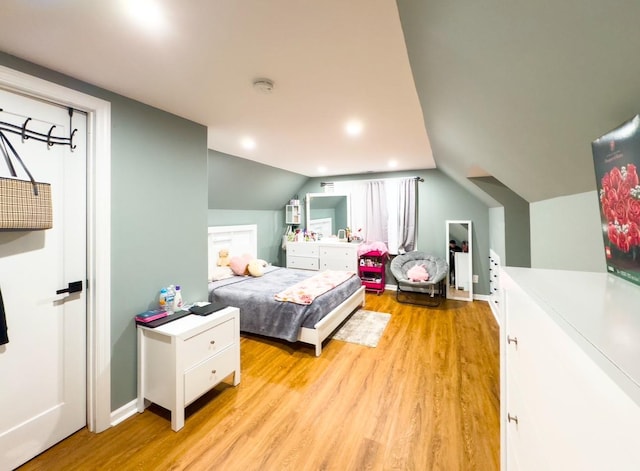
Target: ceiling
{"x": 330, "y": 61}
{"x": 519, "y": 89}
{"x": 514, "y": 91}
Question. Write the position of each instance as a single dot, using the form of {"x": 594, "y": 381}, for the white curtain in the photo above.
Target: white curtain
{"x": 407, "y": 227}
{"x": 377, "y": 216}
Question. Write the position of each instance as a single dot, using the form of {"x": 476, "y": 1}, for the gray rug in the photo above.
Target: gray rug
{"x": 363, "y": 327}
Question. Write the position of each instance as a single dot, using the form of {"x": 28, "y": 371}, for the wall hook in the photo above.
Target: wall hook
{"x": 49, "y": 143}
{"x": 24, "y": 130}
{"x": 71, "y": 144}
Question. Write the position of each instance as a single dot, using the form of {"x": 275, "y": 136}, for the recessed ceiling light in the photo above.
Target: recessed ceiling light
{"x": 354, "y": 127}
{"x": 393, "y": 163}
{"x": 322, "y": 169}
{"x": 147, "y": 13}
{"x": 248, "y": 143}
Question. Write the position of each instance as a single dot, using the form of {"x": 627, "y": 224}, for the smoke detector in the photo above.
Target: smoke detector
{"x": 263, "y": 85}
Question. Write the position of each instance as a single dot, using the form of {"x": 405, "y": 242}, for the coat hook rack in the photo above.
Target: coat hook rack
{"x": 51, "y": 140}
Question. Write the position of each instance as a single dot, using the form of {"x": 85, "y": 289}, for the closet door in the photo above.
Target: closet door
{"x": 43, "y": 366}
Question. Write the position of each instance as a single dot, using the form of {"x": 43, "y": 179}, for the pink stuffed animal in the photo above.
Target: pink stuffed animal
{"x": 417, "y": 273}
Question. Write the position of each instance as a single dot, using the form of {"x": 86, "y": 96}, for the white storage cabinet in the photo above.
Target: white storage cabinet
{"x": 570, "y": 343}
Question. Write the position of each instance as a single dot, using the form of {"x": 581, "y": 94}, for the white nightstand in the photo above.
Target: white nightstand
{"x": 181, "y": 360}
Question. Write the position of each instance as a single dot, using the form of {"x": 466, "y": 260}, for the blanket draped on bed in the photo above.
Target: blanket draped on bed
{"x": 304, "y": 292}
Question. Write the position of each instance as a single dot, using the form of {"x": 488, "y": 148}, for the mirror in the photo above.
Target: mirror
{"x": 327, "y": 213}
{"x": 460, "y": 279}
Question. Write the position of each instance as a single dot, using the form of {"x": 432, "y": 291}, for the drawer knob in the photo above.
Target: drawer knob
{"x": 214, "y": 371}
{"x": 512, "y": 418}
{"x": 212, "y": 342}
{"x": 513, "y": 340}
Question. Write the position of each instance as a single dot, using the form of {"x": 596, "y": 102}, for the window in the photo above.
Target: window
{"x": 384, "y": 211}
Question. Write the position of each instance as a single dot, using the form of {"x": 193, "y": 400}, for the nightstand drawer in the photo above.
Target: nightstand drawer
{"x": 208, "y": 343}
{"x": 203, "y": 377}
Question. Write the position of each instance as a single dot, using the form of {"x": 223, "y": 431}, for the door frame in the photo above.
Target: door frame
{"x": 98, "y": 233}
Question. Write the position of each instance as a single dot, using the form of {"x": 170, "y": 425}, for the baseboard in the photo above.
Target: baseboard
{"x": 124, "y": 412}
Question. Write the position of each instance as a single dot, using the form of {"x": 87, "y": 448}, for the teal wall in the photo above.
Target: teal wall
{"x": 158, "y": 232}
{"x": 515, "y": 223}
{"x": 237, "y": 183}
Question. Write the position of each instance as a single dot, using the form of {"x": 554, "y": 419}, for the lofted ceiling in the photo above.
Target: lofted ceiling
{"x": 330, "y": 61}
{"x": 514, "y": 91}
{"x": 519, "y": 89}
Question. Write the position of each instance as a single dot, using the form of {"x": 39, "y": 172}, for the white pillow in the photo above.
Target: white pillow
{"x": 220, "y": 273}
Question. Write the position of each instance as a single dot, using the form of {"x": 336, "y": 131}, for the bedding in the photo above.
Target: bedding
{"x": 304, "y": 292}
{"x": 262, "y": 314}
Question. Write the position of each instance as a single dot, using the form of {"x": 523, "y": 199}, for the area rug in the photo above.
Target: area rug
{"x": 363, "y": 327}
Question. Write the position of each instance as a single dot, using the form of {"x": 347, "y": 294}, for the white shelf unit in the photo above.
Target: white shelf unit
{"x": 293, "y": 214}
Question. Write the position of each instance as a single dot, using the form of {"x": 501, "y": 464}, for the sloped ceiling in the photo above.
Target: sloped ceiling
{"x": 513, "y": 90}
{"x": 518, "y": 90}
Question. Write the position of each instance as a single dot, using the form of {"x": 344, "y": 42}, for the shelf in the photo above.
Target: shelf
{"x": 292, "y": 214}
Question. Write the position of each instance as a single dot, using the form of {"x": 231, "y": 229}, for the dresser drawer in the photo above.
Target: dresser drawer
{"x": 303, "y": 249}
{"x": 304, "y": 263}
{"x": 208, "y": 343}
{"x": 208, "y": 374}
{"x": 339, "y": 264}
{"x": 340, "y": 251}
{"x": 340, "y": 257}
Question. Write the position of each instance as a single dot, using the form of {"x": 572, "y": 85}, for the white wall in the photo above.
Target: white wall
{"x": 566, "y": 233}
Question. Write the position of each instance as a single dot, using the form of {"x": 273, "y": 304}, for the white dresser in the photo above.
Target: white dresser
{"x": 570, "y": 371}
{"x": 181, "y": 360}
{"x": 322, "y": 256}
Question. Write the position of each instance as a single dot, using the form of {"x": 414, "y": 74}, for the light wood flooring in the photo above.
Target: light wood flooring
{"x": 426, "y": 398}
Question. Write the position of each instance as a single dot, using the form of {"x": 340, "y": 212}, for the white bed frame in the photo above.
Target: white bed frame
{"x": 331, "y": 321}
{"x": 243, "y": 239}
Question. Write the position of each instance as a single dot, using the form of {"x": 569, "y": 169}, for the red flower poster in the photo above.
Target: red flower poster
{"x": 616, "y": 158}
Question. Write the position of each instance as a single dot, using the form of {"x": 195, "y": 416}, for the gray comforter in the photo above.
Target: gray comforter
{"x": 261, "y": 314}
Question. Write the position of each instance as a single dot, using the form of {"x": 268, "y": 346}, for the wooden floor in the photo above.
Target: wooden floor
{"x": 426, "y": 398}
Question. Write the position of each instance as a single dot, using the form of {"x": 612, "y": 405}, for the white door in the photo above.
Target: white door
{"x": 43, "y": 367}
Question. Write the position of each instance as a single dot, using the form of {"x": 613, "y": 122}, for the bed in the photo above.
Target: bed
{"x": 260, "y": 312}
